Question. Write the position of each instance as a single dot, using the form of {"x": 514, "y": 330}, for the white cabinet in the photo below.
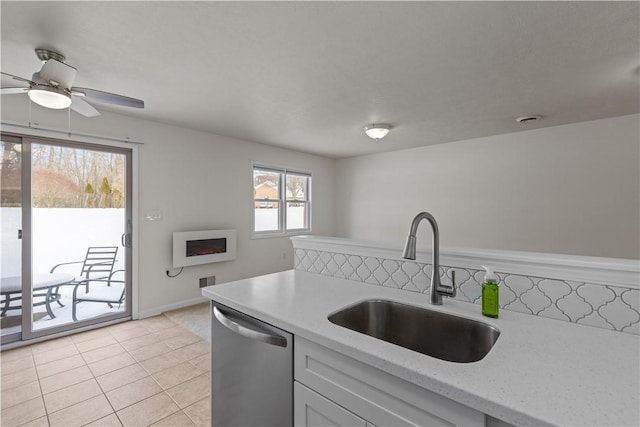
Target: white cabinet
{"x": 339, "y": 387}
{"x": 312, "y": 410}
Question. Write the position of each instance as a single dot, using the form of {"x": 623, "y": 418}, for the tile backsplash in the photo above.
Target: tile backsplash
{"x": 595, "y": 304}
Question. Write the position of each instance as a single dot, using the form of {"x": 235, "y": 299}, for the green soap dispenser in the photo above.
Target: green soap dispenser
{"x": 490, "y": 304}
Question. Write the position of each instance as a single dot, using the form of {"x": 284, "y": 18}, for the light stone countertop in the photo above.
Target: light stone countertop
{"x": 540, "y": 371}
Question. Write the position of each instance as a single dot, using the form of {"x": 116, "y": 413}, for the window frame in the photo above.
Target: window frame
{"x": 282, "y": 201}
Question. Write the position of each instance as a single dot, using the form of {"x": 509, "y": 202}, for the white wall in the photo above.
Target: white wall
{"x": 198, "y": 181}
{"x": 569, "y": 189}
{"x": 572, "y": 189}
{"x": 201, "y": 181}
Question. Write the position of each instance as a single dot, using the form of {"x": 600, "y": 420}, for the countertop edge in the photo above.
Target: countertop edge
{"x": 479, "y": 400}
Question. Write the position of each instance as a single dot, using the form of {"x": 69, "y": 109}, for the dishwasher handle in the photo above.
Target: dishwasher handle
{"x": 247, "y": 332}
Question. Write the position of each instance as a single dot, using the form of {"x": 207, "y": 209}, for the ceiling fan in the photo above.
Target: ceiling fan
{"x": 52, "y": 87}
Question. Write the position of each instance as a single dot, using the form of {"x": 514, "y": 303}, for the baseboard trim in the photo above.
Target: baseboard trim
{"x": 159, "y": 310}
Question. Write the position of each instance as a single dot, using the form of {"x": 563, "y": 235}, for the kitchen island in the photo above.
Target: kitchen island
{"x": 540, "y": 371}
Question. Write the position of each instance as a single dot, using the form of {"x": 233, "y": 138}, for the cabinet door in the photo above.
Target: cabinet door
{"x": 380, "y": 398}
{"x": 312, "y": 410}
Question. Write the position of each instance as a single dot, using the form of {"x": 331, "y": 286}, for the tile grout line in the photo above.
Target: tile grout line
{"x": 93, "y": 377}
{"x": 163, "y": 389}
{"x": 85, "y": 363}
{"x": 46, "y": 410}
{"x": 101, "y": 389}
{"x": 171, "y": 397}
{"x": 44, "y": 405}
{"x": 105, "y": 394}
{"x": 22, "y": 385}
{"x": 150, "y": 375}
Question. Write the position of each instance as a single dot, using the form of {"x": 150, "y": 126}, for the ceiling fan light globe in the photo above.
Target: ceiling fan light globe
{"x": 50, "y": 97}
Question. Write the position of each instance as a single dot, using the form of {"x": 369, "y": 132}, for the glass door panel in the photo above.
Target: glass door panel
{"x": 10, "y": 240}
{"x": 79, "y": 217}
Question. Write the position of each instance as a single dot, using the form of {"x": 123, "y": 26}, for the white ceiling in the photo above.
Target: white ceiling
{"x": 309, "y": 75}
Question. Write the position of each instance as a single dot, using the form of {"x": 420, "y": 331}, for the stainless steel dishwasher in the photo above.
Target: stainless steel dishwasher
{"x": 251, "y": 371}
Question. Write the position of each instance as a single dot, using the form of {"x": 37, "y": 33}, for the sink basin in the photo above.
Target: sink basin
{"x": 433, "y": 333}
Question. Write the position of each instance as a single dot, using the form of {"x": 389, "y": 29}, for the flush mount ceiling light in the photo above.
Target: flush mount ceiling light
{"x": 377, "y": 131}
{"x": 50, "y": 97}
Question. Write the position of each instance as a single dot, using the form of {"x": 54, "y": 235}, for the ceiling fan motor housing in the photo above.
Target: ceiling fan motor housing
{"x": 58, "y": 74}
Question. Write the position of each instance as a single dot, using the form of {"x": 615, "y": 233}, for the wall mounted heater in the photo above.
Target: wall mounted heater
{"x": 203, "y": 247}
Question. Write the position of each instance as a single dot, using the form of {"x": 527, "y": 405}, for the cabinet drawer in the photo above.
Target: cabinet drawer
{"x": 313, "y": 410}
{"x": 376, "y": 396}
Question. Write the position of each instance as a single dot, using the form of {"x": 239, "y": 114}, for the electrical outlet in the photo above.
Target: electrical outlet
{"x": 207, "y": 281}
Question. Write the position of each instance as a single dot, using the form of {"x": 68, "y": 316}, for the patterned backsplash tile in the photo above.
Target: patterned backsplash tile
{"x": 602, "y": 306}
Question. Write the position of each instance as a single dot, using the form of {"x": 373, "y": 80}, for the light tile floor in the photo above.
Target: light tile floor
{"x": 196, "y": 318}
{"x": 153, "y": 371}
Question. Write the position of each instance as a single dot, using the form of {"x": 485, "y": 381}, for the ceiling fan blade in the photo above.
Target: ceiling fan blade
{"x": 81, "y": 106}
{"x": 110, "y": 98}
{"x": 16, "y": 77}
{"x": 13, "y": 90}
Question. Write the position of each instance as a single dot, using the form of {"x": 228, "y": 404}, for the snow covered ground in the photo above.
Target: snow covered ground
{"x": 59, "y": 235}
{"x": 267, "y": 219}
{"x": 85, "y": 310}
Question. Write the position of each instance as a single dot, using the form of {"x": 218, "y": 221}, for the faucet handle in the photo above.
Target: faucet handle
{"x": 449, "y": 291}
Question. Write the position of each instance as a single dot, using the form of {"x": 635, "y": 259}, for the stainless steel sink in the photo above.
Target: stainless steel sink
{"x": 436, "y": 334}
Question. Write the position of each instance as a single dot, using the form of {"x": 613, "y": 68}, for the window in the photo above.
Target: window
{"x": 281, "y": 201}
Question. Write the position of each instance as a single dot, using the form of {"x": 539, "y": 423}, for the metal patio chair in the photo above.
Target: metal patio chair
{"x": 107, "y": 290}
{"x": 97, "y": 265}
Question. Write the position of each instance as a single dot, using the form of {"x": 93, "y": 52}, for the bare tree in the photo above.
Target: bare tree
{"x": 296, "y": 187}
{"x": 87, "y": 169}
{"x": 10, "y": 179}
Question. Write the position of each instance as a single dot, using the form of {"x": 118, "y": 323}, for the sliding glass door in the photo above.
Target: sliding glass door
{"x": 76, "y": 237}
{"x": 11, "y": 237}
